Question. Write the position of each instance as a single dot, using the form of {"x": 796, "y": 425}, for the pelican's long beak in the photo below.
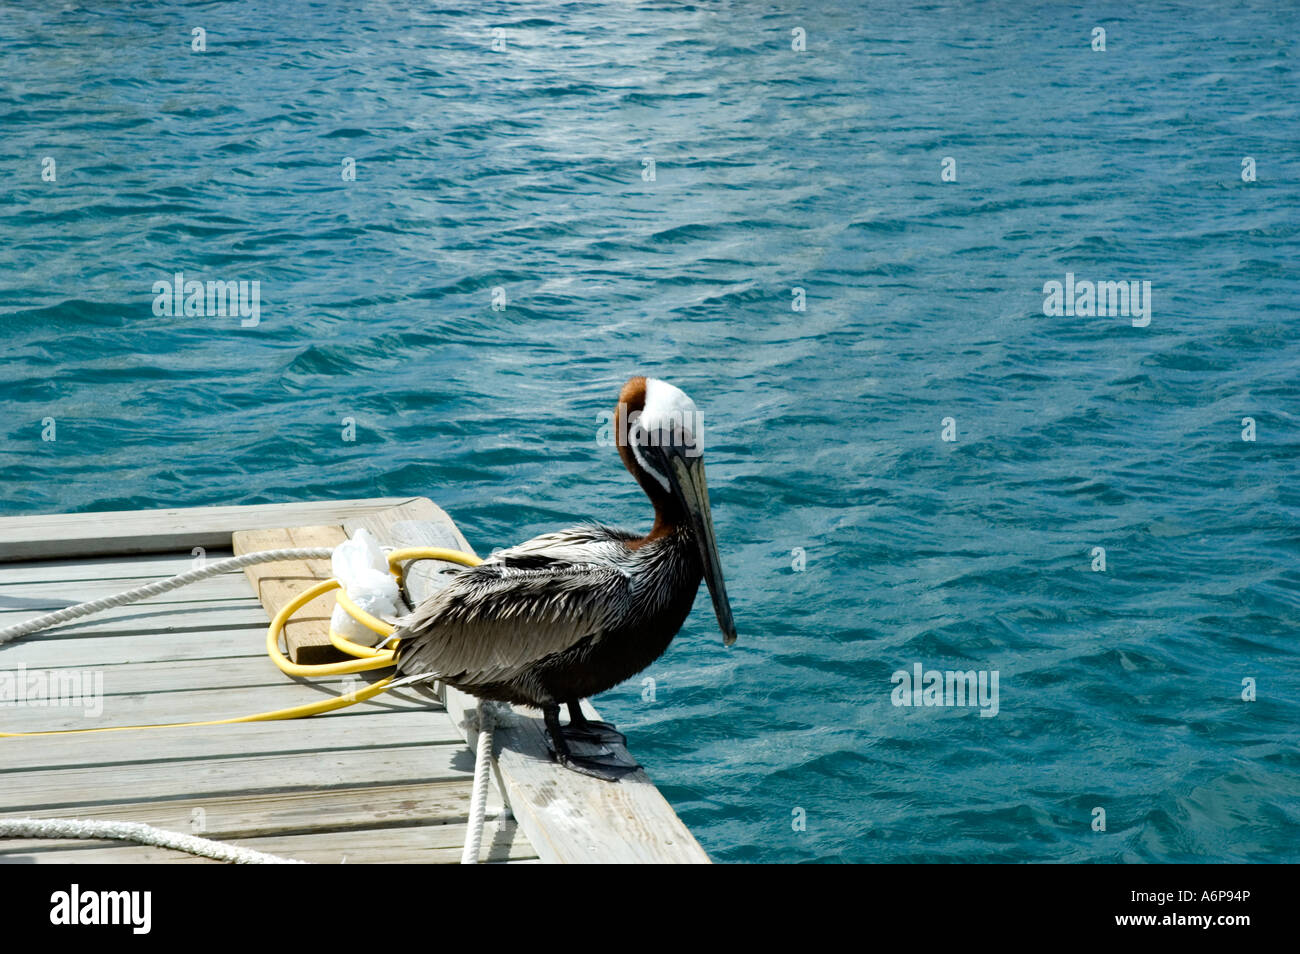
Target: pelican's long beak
{"x": 687, "y": 477}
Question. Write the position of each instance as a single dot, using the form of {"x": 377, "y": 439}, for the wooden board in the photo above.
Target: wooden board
{"x": 568, "y": 818}
{"x": 180, "y": 778}
{"x": 353, "y": 728}
{"x": 307, "y": 635}
{"x": 161, "y": 616}
{"x": 143, "y": 568}
{"x": 50, "y": 536}
{"x": 249, "y": 815}
{"x": 436, "y": 844}
{"x": 108, "y": 648}
{"x": 42, "y": 596}
{"x": 198, "y": 705}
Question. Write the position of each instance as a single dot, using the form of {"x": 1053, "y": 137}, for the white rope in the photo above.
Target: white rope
{"x": 482, "y": 771}
{"x": 134, "y": 831}
{"x": 161, "y": 586}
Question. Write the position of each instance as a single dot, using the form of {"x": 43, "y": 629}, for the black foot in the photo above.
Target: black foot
{"x": 591, "y": 748}
{"x": 588, "y": 730}
{"x": 595, "y": 733}
{"x": 610, "y": 768}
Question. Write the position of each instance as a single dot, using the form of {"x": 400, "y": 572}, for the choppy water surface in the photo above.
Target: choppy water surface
{"x": 523, "y": 169}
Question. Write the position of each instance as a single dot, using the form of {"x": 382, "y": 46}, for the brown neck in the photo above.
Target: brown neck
{"x": 665, "y": 523}
{"x": 668, "y": 512}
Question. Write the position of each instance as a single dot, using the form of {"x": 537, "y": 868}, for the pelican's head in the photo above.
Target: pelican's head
{"x": 661, "y": 440}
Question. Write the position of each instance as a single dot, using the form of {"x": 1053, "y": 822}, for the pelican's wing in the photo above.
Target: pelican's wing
{"x": 519, "y": 606}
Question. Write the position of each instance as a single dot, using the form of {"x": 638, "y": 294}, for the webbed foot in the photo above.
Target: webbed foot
{"x": 589, "y": 747}
{"x": 610, "y": 767}
{"x": 598, "y": 733}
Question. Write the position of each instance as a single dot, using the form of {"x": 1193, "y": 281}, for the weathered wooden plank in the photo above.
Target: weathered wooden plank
{"x": 105, "y": 649}
{"x": 436, "y": 844}
{"x": 142, "y": 569}
{"x": 236, "y": 672}
{"x": 637, "y": 825}
{"x": 307, "y": 635}
{"x": 438, "y": 528}
{"x": 33, "y": 791}
{"x": 196, "y": 705}
{"x": 289, "y": 813}
{"x": 37, "y": 598}
{"x": 164, "y": 616}
{"x": 351, "y": 728}
{"x": 47, "y": 536}
{"x": 568, "y": 818}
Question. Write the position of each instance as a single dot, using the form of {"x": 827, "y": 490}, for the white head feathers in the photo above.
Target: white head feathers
{"x": 669, "y": 418}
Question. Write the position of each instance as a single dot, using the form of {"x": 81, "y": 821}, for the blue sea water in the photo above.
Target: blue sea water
{"x": 523, "y": 168}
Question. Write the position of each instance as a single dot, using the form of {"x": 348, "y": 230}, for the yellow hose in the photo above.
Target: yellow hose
{"x": 290, "y": 668}
{"x": 368, "y": 657}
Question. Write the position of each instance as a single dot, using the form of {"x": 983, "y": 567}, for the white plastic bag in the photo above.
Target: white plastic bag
{"x": 360, "y": 566}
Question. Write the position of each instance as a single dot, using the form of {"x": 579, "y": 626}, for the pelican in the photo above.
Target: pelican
{"x": 569, "y": 614}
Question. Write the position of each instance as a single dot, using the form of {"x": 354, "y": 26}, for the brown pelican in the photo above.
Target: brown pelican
{"x": 569, "y": 614}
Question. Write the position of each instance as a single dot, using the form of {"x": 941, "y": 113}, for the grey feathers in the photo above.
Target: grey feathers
{"x": 541, "y": 598}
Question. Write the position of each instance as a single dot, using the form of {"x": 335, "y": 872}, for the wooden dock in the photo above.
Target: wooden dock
{"x": 386, "y": 780}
